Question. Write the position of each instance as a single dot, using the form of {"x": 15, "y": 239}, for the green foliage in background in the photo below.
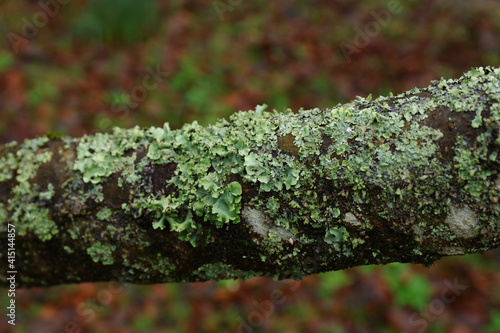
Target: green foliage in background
{"x": 331, "y": 282}
{"x": 494, "y": 325}
{"x": 117, "y": 21}
{"x": 409, "y": 288}
{"x": 6, "y": 60}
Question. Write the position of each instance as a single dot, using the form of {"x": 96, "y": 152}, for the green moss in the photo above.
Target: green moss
{"x": 53, "y": 135}
{"x": 145, "y": 268}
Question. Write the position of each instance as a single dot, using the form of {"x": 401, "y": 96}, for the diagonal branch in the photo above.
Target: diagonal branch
{"x": 407, "y": 178}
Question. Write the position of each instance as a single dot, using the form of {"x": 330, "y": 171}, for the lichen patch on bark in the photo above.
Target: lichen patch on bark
{"x": 462, "y": 221}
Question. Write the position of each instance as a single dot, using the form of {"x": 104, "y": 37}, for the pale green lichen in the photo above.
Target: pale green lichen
{"x": 419, "y": 234}
{"x": 101, "y": 253}
{"x": 282, "y": 234}
{"x": 8, "y": 164}
{"x": 104, "y": 214}
{"x": 195, "y": 150}
{"x": 48, "y": 194}
{"x": 186, "y": 229}
{"x": 68, "y": 249}
{"x": 452, "y": 250}
{"x": 263, "y": 226}
{"x": 103, "y": 154}
{"x": 257, "y": 220}
{"x": 25, "y": 206}
{"x": 338, "y": 237}
{"x": 469, "y": 168}
{"x": 352, "y": 220}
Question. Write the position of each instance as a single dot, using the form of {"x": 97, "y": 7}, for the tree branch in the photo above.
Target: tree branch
{"x": 407, "y": 178}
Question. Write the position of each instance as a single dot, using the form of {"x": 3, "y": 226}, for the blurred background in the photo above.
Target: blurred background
{"x": 77, "y": 67}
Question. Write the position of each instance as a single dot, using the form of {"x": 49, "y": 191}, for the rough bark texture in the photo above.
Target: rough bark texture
{"x": 407, "y": 178}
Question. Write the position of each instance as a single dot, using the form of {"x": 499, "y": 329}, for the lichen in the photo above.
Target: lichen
{"x": 27, "y": 206}
{"x": 102, "y": 154}
{"x": 351, "y": 219}
{"x": 101, "y": 253}
{"x": 145, "y": 268}
{"x": 386, "y": 150}
{"x": 338, "y": 237}
{"x": 8, "y": 163}
{"x": 186, "y": 229}
{"x": 262, "y": 225}
{"x": 462, "y": 221}
{"x": 104, "y": 214}
{"x": 206, "y": 158}
{"x": 257, "y": 220}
